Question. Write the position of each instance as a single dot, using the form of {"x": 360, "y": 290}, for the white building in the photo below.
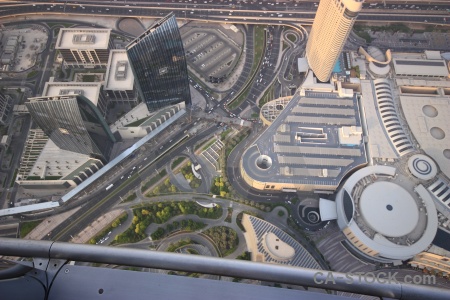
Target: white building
{"x": 84, "y": 47}
{"x": 119, "y": 82}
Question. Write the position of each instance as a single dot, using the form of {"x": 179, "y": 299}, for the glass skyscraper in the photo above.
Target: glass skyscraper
{"x": 159, "y": 65}
{"x": 73, "y": 123}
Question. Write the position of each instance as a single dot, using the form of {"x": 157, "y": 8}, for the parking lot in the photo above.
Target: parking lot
{"x": 212, "y": 52}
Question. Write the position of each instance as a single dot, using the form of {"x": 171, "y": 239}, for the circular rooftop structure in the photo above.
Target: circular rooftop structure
{"x": 422, "y": 167}
{"x": 379, "y": 69}
{"x": 383, "y": 215}
{"x": 277, "y": 248}
{"x": 264, "y": 162}
{"x": 389, "y": 209}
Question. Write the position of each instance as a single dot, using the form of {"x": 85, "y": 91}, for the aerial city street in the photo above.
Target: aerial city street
{"x": 306, "y": 133}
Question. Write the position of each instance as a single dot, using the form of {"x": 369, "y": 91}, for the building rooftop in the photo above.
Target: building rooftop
{"x": 83, "y": 38}
{"x": 56, "y": 162}
{"x": 90, "y": 90}
{"x": 388, "y": 209}
{"x": 262, "y": 239}
{"x": 427, "y": 117}
{"x": 118, "y": 74}
{"x": 302, "y": 146}
{"x": 420, "y": 67}
{"x": 384, "y": 212}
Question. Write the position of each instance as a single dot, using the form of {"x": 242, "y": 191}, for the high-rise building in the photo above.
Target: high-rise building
{"x": 73, "y": 123}
{"x": 332, "y": 25}
{"x": 158, "y": 63}
{"x": 84, "y": 47}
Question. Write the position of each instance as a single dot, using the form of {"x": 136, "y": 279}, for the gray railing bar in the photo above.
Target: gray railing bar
{"x": 216, "y": 266}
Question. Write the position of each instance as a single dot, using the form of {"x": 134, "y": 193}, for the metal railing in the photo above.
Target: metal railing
{"x": 216, "y": 266}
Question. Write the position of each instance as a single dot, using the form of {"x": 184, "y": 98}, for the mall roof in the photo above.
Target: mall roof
{"x": 301, "y": 145}
{"x": 428, "y": 119}
{"x": 118, "y": 74}
{"x": 90, "y": 90}
{"x": 83, "y": 38}
{"x": 420, "y": 67}
{"x": 416, "y": 242}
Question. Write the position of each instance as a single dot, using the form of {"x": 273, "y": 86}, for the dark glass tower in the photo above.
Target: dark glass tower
{"x": 73, "y": 123}
{"x": 159, "y": 65}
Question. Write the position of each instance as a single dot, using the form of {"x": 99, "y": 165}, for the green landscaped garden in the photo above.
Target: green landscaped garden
{"x": 220, "y": 187}
{"x": 194, "y": 182}
{"x": 177, "y": 161}
{"x": 153, "y": 180}
{"x": 160, "y": 213}
{"x": 184, "y": 225}
{"x": 165, "y": 188}
{"x": 130, "y": 198}
{"x": 225, "y": 238}
{"x": 26, "y": 227}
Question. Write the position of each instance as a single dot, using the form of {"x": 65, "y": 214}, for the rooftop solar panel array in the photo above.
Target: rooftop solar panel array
{"x": 324, "y": 110}
{"x": 322, "y": 120}
{"x": 302, "y": 258}
{"x": 327, "y": 102}
{"x": 317, "y": 150}
{"x": 314, "y": 161}
{"x": 420, "y": 63}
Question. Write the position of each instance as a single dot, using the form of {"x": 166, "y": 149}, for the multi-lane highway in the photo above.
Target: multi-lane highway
{"x": 238, "y": 13}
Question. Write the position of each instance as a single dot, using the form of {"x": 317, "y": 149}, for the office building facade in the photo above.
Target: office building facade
{"x": 159, "y": 65}
{"x": 332, "y": 25}
{"x": 73, "y": 123}
{"x": 5, "y": 108}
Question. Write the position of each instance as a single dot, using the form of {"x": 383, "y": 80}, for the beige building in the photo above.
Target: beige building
{"x": 432, "y": 262}
{"x": 331, "y": 28}
{"x": 84, "y": 47}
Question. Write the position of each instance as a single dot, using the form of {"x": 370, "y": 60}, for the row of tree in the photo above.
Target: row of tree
{"x": 160, "y": 213}
{"x": 185, "y": 225}
{"x": 225, "y": 238}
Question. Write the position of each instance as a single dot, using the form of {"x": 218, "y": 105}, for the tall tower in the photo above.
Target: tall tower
{"x": 332, "y": 25}
{"x": 73, "y": 123}
{"x": 158, "y": 63}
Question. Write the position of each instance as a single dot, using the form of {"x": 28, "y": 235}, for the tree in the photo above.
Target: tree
{"x": 156, "y": 190}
